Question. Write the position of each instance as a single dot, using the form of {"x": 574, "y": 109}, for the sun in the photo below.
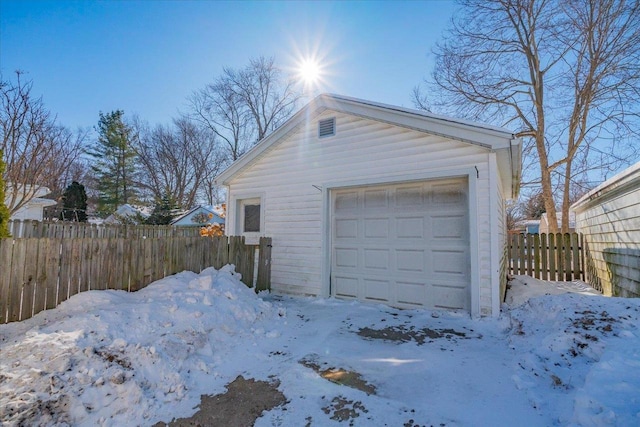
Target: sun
{"x": 309, "y": 71}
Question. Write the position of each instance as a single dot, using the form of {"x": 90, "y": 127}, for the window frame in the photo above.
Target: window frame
{"x": 251, "y": 237}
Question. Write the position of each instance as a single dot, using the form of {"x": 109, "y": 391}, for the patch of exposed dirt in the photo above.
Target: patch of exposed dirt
{"x": 337, "y": 375}
{"x": 343, "y": 409}
{"x": 420, "y": 336}
{"x": 242, "y": 404}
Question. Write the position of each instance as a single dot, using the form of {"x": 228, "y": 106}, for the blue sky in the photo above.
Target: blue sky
{"x": 147, "y": 57}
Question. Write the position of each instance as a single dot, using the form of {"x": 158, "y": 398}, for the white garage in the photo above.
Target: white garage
{"x": 381, "y": 204}
{"x": 406, "y": 244}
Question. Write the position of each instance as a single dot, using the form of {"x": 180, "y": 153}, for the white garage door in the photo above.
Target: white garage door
{"x": 405, "y": 245}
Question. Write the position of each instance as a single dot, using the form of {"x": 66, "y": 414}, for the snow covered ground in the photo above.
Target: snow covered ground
{"x": 116, "y": 358}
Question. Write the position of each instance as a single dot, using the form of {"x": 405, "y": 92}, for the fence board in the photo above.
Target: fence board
{"x": 529, "y": 251}
{"x": 568, "y": 268}
{"x": 65, "y": 271}
{"x": 6, "y": 250}
{"x": 135, "y": 272}
{"x": 544, "y": 258}
{"x": 30, "y": 275}
{"x": 536, "y": 256}
{"x": 552, "y": 256}
{"x": 17, "y": 279}
{"x": 86, "y": 254}
{"x": 73, "y": 251}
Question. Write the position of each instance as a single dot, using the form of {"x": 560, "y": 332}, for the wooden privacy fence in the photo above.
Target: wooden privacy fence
{"x": 558, "y": 257}
{"x": 66, "y": 229}
{"x": 40, "y": 273}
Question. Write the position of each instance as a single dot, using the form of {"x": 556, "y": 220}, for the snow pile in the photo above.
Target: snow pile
{"x": 581, "y": 347}
{"x": 115, "y": 357}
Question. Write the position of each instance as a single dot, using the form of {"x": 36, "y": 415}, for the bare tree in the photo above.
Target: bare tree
{"x": 221, "y": 111}
{"x": 566, "y": 74}
{"x": 36, "y": 149}
{"x": 242, "y": 106}
{"x": 176, "y": 160}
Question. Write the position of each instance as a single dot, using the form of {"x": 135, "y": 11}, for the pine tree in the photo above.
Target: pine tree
{"x": 163, "y": 212}
{"x": 74, "y": 203}
{"x": 4, "y": 211}
{"x": 114, "y": 165}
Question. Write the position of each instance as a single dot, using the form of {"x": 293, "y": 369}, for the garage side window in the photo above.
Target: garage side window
{"x": 251, "y": 218}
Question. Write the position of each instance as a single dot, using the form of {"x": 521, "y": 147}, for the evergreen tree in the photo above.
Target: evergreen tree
{"x": 74, "y": 203}
{"x": 4, "y": 211}
{"x": 114, "y": 165}
{"x": 163, "y": 212}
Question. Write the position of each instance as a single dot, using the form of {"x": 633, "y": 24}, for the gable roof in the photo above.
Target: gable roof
{"x": 490, "y": 137}
{"x": 206, "y": 208}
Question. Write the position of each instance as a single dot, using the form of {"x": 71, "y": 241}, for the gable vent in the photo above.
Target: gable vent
{"x": 327, "y": 127}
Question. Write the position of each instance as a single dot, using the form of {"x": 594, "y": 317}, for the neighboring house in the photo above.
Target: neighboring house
{"x": 199, "y": 216}
{"x": 527, "y": 226}
{"x": 609, "y": 218}
{"x": 127, "y": 214}
{"x": 544, "y": 222}
{"x": 380, "y": 203}
{"x": 33, "y": 209}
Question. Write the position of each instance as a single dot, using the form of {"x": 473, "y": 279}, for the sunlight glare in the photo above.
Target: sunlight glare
{"x": 310, "y": 71}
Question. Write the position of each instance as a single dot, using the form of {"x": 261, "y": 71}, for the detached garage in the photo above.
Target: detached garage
{"x": 379, "y": 203}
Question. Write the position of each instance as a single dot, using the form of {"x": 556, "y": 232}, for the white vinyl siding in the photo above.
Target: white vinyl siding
{"x": 609, "y": 218}
{"x": 292, "y": 174}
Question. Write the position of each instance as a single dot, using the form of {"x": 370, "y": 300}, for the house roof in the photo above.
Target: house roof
{"x": 208, "y": 208}
{"x": 42, "y": 202}
{"x": 493, "y": 138}
{"x": 627, "y": 180}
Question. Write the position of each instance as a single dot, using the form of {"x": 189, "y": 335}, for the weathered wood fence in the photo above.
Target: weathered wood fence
{"x": 40, "y": 273}
{"x": 557, "y": 257}
{"x": 65, "y": 229}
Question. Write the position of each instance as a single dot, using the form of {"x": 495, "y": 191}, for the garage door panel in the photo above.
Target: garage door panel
{"x": 376, "y": 228}
{"x": 346, "y": 287}
{"x": 411, "y": 227}
{"x": 412, "y": 260}
{"x": 346, "y": 257}
{"x": 403, "y": 244}
{"x": 448, "y": 194}
{"x": 411, "y": 293}
{"x": 450, "y": 262}
{"x": 409, "y": 196}
{"x": 449, "y": 226}
{"x": 346, "y": 228}
{"x": 376, "y": 259}
{"x": 376, "y": 199}
{"x": 449, "y": 297}
{"x": 377, "y": 290}
{"x": 346, "y": 201}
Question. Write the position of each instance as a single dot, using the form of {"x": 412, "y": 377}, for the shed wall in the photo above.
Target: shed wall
{"x": 291, "y": 175}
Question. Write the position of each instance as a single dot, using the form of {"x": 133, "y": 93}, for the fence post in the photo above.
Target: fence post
{"x": 263, "y": 281}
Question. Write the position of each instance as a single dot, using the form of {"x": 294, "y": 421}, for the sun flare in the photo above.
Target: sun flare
{"x": 309, "y": 71}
